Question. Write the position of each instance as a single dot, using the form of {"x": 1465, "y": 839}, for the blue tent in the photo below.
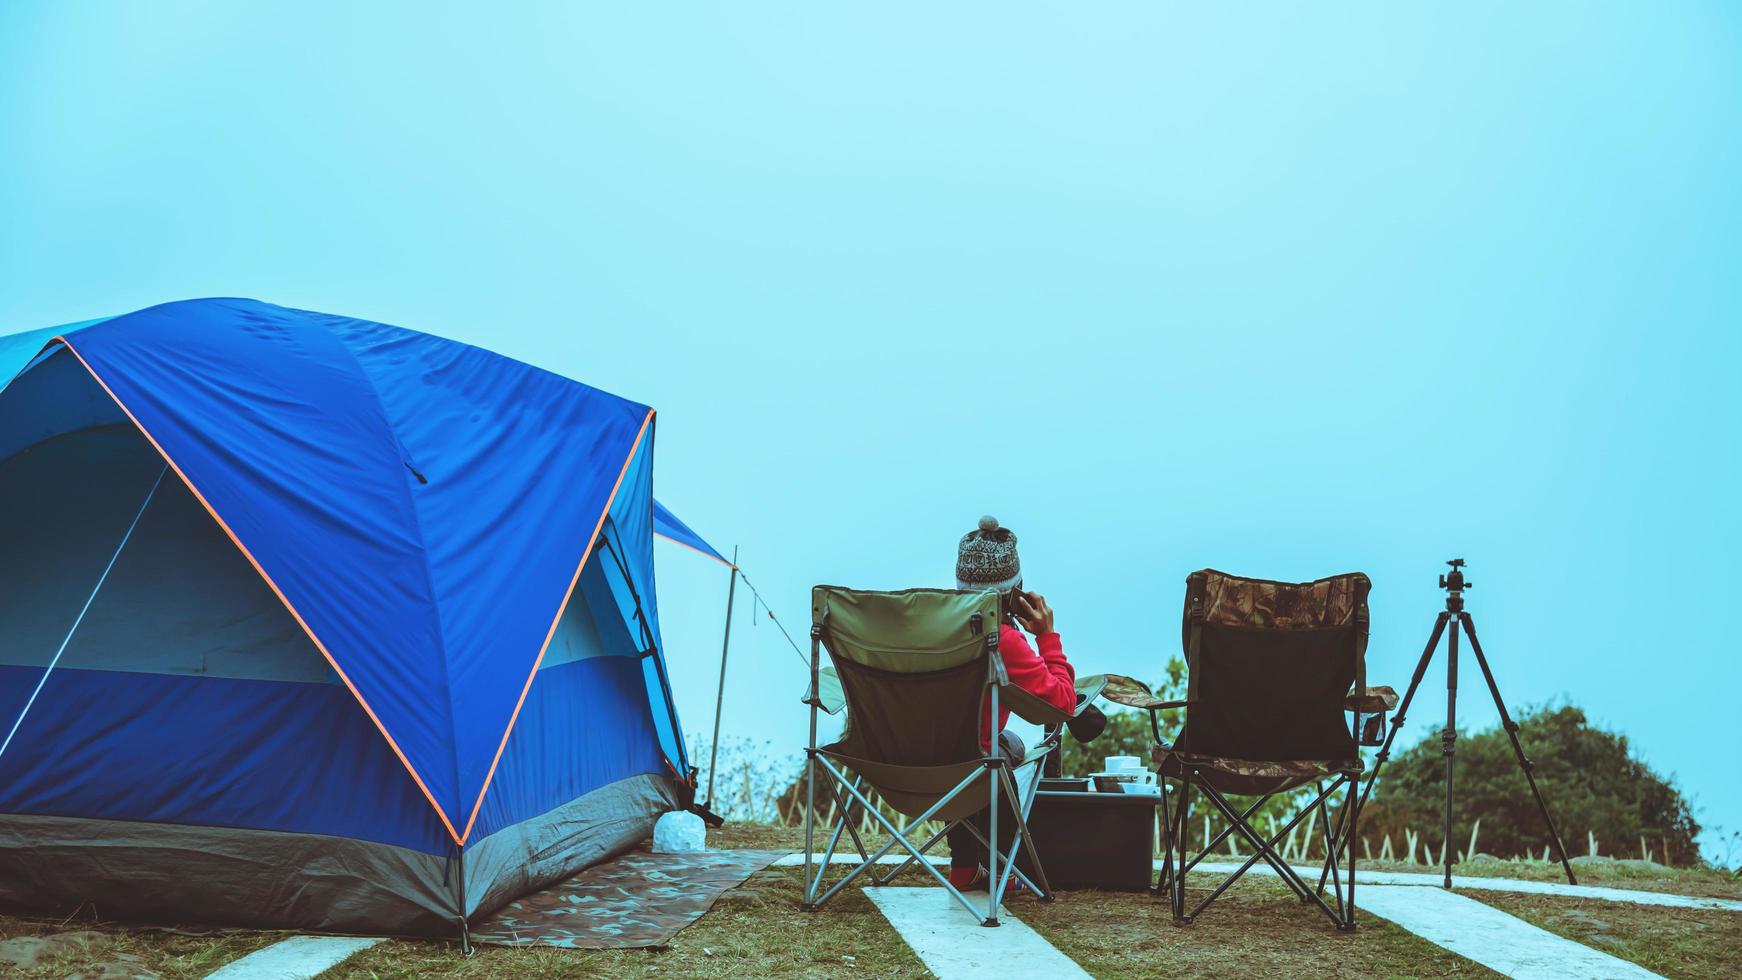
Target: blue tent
{"x": 318, "y": 623}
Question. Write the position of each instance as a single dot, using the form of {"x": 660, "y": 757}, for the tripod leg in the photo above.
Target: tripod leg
{"x": 1511, "y": 727}
{"x": 1427, "y": 655}
{"x": 1448, "y": 744}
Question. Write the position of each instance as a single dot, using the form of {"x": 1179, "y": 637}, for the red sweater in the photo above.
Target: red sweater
{"x": 1047, "y": 675}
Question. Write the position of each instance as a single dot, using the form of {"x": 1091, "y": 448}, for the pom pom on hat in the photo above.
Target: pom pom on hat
{"x": 986, "y": 557}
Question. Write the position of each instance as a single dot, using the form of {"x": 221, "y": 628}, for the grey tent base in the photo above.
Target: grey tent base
{"x": 548, "y": 848}
{"x": 161, "y": 873}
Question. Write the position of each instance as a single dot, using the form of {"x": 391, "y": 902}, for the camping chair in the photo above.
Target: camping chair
{"x": 912, "y": 669}
{"x": 1272, "y": 668}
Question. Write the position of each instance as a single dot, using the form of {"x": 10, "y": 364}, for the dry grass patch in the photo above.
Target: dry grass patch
{"x": 108, "y": 950}
{"x": 754, "y": 930}
{"x": 1670, "y": 941}
{"x": 1256, "y": 928}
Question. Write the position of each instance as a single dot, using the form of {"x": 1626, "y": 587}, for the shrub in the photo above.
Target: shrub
{"x": 1594, "y": 786}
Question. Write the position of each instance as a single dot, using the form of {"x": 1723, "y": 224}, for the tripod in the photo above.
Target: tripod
{"x": 1454, "y": 584}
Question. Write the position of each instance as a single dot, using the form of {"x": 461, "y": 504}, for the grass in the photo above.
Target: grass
{"x": 1672, "y": 942}
{"x": 171, "y": 955}
{"x": 756, "y": 930}
{"x": 1257, "y": 927}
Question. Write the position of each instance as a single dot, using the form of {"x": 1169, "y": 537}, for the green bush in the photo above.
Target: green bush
{"x": 1593, "y": 783}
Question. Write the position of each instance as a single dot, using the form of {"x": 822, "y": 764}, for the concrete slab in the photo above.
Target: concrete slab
{"x": 953, "y": 945}
{"x": 1632, "y": 896}
{"x": 1503, "y": 943}
{"x": 297, "y": 958}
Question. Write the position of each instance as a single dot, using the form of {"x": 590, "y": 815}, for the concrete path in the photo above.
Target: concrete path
{"x": 1503, "y": 943}
{"x": 297, "y": 958}
{"x": 1632, "y": 896}
{"x": 953, "y": 945}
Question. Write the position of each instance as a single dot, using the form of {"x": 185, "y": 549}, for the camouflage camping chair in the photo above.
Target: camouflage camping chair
{"x": 912, "y": 670}
{"x": 1273, "y": 669}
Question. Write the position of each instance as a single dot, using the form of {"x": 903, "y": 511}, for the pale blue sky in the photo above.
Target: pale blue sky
{"x": 1285, "y": 292}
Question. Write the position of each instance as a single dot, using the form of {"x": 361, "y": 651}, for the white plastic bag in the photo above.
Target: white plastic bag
{"x": 679, "y": 832}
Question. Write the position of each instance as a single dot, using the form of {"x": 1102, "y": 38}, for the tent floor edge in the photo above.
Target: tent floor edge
{"x": 180, "y": 874}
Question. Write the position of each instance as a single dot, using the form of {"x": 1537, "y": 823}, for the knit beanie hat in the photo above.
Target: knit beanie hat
{"x": 986, "y": 558}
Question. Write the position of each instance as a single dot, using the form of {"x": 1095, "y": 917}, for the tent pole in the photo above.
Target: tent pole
{"x": 720, "y": 695}
{"x": 54, "y": 661}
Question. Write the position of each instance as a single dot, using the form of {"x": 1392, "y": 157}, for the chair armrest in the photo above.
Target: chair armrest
{"x": 1088, "y": 689}
{"x": 1032, "y": 709}
{"x": 1371, "y": 700}
{"x": 831, "y": 698}
{"x": 1132, "y": 693}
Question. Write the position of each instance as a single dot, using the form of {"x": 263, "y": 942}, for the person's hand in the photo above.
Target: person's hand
{"x": 1035, "y": 614}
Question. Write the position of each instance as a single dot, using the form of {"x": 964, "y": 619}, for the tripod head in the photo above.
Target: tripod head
{"x": 1454, "y": 584}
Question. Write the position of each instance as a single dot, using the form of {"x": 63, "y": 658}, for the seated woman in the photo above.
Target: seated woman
{"x": 986, "y": 559}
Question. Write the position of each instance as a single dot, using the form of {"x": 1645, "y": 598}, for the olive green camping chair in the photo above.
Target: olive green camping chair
{"x": 912, "y": 669}
{"x": 1272, "y": 669}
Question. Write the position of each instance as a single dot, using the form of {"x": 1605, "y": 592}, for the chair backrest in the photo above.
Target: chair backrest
{"x": 1269, "y": 665}
{"x": 914, "y": 666}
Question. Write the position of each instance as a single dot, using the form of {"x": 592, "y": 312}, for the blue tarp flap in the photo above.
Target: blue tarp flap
{"x": 420, "y": 505}
{"x": 666, "y": 525}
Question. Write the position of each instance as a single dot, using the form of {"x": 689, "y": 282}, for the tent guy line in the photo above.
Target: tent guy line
{"x": 770, "y": 610}
{"x": 55, "y": 660}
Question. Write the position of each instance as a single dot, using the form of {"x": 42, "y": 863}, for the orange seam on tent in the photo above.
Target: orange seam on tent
{"x": 685, "y": 544}
{"x": 275, "y": 589}
{"x": 551, "y": 633}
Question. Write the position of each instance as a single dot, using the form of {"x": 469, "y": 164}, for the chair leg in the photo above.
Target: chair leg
{"x": 1241, "y": 824}
{"x": 810, "y": 819}
{"x": 903, "y": 866}
{"x": 992, "y": 772}
{"x": 843, "y": 809}
{"x": 1342, "y": 826}
{"x": 1266, "y": 851}
{"x": 1348, "y": 924}
{"x": 1162, "y": 877}
{"x": 897, "y": 837}
{"x": 847, "y": 806}
{"x": 1323, "y": 825}
{"x": 809, "y": 903}
{"x": 994, "y": 761}
{"x": 1333, "y": 838}
{"x": 1042, "y": 888}
{"x": 1179, "y": 874}
{"x": 1214, "y": 842}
